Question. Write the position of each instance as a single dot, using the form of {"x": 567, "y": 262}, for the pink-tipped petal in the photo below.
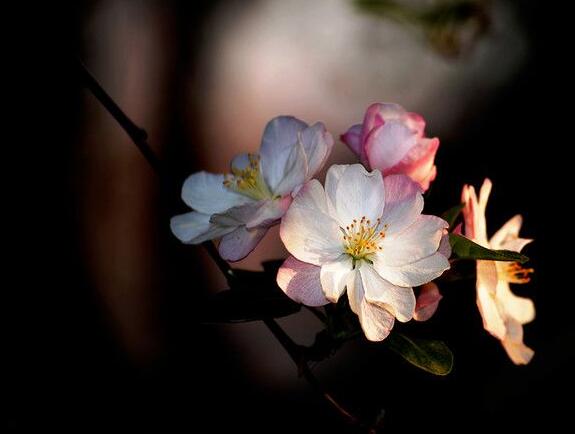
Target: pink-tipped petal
{"x": 418, "y": 163}
{"x": 301, "y": 282}
{"x": 352, "y": 138}
{"x": 427, "y": 302}
{"x": 388, "y": 144}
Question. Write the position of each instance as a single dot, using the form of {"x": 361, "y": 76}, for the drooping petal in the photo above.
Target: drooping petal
{"x": 359, "y": 193}
{"x": 205, "y": 192}
{"x": 307, "y": 231}
{"x": 279, "y": 138}
{"x": 427, "y": 302}
{"x": 518, "y": 352}
{"x": 521, "y": 309}
{"x": 317, "y": 143}
{"x": 403, "y": 203}
{"x": 418, "y": 163}
{"x": 399, "y": 301}
{"x": 238, "y": 244}
{"x": 195, "y": 228}
{"x": 418, "y": 241}
{"x": 387, "y": 144}
{"x": 516, "y": 245}
{"x": 493, "y": 322}
{"x": 301, "y": 282}
{"x": 334, "y": 277}
{"x": 509, "y": 231}
{"x": 352, "y": 138}
{"x": 415, "y": 273}
{"x": 260, "y": 214}
{"x": 375, "y": 321}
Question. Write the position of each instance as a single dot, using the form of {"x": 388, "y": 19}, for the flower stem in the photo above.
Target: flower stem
{"x": 139, "y": 137}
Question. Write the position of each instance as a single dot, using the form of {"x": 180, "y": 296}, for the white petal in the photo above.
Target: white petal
{"x": 414, "y": 243}
{"x": 205, "y": 192}
{"x": 486, "y": 301}
{"x": 295, "y": 171}
{"x": 509, "y": 231}
{"x": 521, "y": 309}
{"x": 239, "y": 243}
{"x": 359, "y": 193}
{"x": 518, "y": 352}
{"x": 516, "y": 245}
{"x": 332, "y": 179}
{"x": 318, "y": 143}
{"x": 399, "y": 301}
{"x": 427, "y": 302}
{"x": 413, "y": 274}
{"x": 375, "y": 321}
{"x": 334, "y": 277}
{"x": 301, "y": 282}
{"x": 279, "y": 138}
{"x": 195, "y": 228}
{"x": 307, "y": 231}
{"x": 403, "y": 202}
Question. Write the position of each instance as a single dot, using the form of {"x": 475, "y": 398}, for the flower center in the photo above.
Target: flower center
{"x": 249, "y": 180}
{"x": 513, "y": 272}
{"x": 361, "y": 238}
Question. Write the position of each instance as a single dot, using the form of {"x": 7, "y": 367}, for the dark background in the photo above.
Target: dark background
{"x": 75, "y": 365}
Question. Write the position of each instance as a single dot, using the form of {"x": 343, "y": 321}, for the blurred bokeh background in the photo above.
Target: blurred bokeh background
{"x": 119, "y": 347}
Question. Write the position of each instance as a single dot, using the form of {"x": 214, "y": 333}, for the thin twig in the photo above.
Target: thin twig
{"x": 137, "y": 134}
{"x": 139, "y": 137}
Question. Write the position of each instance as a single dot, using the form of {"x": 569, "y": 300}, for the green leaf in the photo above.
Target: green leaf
{"x": 450, "y": 216}
{"x": 430, "y": 355}
{"x": 464, "y": 248}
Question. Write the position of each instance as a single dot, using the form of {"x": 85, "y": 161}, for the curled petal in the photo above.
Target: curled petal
{"x": 317, "y": 143}
{"x": 521, "y": 309}
{"x": 279, "y": 138}
{"x": 387, "y": 144}
{"x": 493, "y": 322}
{"x": 301, "y": 282}
{"x": 352, "y": 138}
{"x": 418, "y": 163}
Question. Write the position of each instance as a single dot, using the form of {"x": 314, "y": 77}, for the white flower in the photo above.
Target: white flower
{"x": 366, "y": 234}
{"x": 241, "y": 206}
{"x": 503, "y": 312}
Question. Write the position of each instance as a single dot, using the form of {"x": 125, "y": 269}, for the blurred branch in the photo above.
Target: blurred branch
{"x": 139, "y": 137}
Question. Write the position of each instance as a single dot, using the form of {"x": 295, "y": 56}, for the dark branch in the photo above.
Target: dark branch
{"x": 137, "y": 134}
{"x": 139, "y": 137}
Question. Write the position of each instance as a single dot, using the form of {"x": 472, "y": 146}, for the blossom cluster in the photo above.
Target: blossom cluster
{"x": 363, "y": 232}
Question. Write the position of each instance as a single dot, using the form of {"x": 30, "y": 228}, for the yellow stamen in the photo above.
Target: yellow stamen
{"x": 362, "y": 239}
{"x": 514, "y": 273}
{"x": 249, "y": 180}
